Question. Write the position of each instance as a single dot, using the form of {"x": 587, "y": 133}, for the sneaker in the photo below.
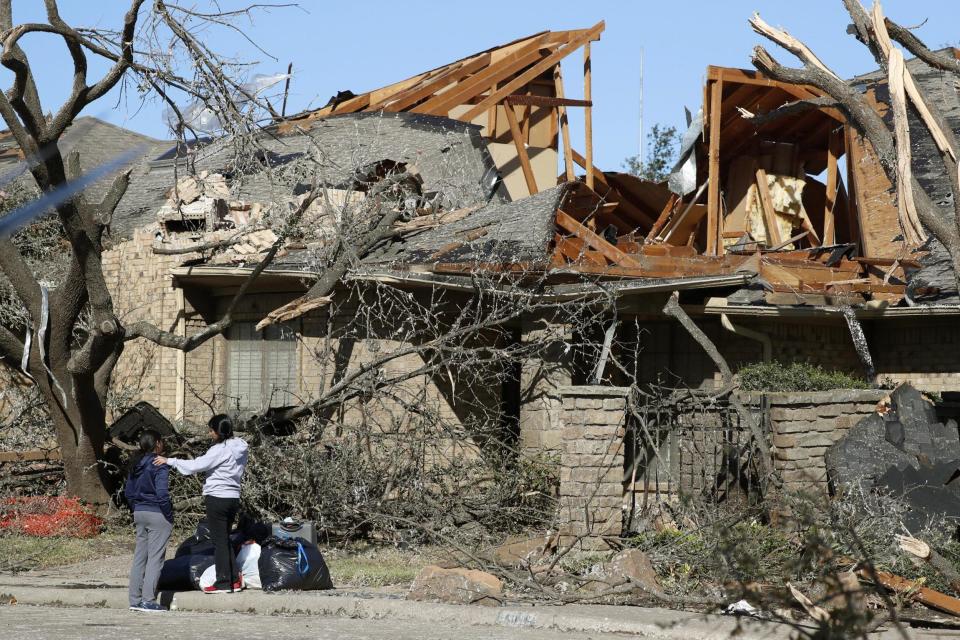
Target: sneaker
{"x": 237, "y": 586}
{"x": 215, "y": 589}
{"x": 149, "y": 607}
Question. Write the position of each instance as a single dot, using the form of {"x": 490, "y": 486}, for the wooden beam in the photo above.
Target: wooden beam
{"x": 492, "y": 117}
{"x": 537, "y": 69}
{"x": 588, "y": 112}
{"x": 564, "y": 125}
{"x": 473, "y": 86}
{"x": 740, "y": 76}
{"x": 856, "y": 194}
{"x": 517, "y": 136}
{"x": 428, "y": 87}
{"x": 574, "y": 249}
{"x": 630, "y": 207}
{"x": 547, "y": 101}
{"x": 769, "y": 213}
{"x": 888, "y": 262}
{"x": 713, "y": 169}
{"x": 663, "y": 217}
{"x": 594, "y": 241}
{"x": 33, "y": 455}
{"x": 834, "y": 149}
{"x": 929, "y": 597}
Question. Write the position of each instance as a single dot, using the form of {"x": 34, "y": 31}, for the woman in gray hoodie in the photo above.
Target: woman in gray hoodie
{"x": 223, "y": 463}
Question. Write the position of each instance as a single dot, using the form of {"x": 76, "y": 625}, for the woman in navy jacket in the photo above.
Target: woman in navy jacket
{"x": 148, "y": 494}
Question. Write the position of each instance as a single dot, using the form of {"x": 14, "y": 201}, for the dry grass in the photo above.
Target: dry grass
{"x": 377, "y": 566}
{"x": 23, "y": 553}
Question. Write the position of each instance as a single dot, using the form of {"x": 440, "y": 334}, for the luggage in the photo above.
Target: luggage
{"x": 292, "y": 563}
{"x": 183, "y": 573}
{"x": 305, "y": 530}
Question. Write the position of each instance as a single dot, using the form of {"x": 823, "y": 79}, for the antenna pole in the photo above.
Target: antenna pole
{"x": 640, "y": 134}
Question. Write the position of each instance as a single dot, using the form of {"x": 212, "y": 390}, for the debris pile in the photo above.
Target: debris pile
{"x": 904, "y": 451}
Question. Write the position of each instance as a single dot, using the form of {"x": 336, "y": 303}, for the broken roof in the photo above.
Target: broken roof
{"x": 448, "y": 155}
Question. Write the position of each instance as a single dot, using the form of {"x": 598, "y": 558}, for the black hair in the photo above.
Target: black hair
{"x": 222, "y": 426}
{"x": 146, "y": 444}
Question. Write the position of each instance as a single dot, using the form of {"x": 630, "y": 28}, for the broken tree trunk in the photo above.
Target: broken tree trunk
{"x": 674, "y": 310}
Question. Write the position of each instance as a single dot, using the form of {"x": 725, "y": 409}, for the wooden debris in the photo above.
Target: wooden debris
{"x": 924, "y": 595}
{"x": 292, "y": 310}
{"x": 817, "y": 613}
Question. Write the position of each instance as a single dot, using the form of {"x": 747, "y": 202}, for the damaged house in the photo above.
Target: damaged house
{"x": 781, "y": 238}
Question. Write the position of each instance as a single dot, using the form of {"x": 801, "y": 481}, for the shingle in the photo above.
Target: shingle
{"x": 449, "y": 156}
{"x": 513, "y": 232}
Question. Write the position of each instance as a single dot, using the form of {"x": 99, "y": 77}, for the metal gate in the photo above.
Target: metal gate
{"x": 687, "y": 450}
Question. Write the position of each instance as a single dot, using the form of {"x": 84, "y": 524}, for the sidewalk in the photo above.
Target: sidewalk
{"x": 103, "y": 584}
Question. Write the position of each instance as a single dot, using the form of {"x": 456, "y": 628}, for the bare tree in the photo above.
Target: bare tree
{"x": 83, "y": 338}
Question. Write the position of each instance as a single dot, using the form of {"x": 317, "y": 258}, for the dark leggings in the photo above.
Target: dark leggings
{"x": 220, "y": 515}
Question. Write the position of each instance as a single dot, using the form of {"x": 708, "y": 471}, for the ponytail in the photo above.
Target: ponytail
{"x": 222, "y": 426}
{"x": 146, "y": 444}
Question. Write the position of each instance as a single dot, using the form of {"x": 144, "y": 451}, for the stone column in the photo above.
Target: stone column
{"x": 541, "y": 378}
{"x": 591, "y": 463}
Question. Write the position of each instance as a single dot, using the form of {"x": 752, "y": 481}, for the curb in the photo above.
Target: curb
{"x": 641, "y": 622}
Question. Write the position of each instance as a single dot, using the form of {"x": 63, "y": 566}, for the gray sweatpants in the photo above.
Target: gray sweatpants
{"x": 153, "y": 533}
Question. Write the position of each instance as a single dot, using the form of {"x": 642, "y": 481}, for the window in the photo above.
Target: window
{"x": 261, "y": 366}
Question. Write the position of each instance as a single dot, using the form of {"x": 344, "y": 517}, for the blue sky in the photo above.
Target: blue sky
{"x": 364, "y": 45}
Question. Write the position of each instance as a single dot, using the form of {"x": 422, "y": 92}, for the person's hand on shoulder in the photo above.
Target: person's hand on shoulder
{"x": 159, "y": 460}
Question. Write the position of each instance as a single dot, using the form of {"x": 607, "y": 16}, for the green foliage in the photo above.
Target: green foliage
{"x": 796, "y": 376}
{"x": 662, "y": 146}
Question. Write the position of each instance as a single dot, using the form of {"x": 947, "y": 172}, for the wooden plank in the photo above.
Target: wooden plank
{"x": 676, "y": 221}
{"x": 833, "y": 152}
{"x": 553, "y": 58}
{"x": 33, "y": 455}
{"x": 929, "y": 597}
{"x": 517, "y": 136}
{"x": 595, "y": 241}
{"x": 740, "y": 76}
{"x": 630, "y": 208}
{"x": 492, "y": 117}
{"x": 575, "y": 250}
{"x": 547, "y": 101}
{"x": 470, "y": 87}
{"x": 588, "y": 112}
{"x": 888, "y": 262}
{"x": 713, "y": 170}
{"x": 424, "y": 90}
{"x": 769, "y": 214}
{"x": 663, "y": 217}
{"x": 564, "y": 125}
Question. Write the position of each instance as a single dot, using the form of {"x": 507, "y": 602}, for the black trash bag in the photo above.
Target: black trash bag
{"x": 197, "y": 544}
{"x": 183, "y": 573}
{"x": 292, "y": 563}
{"x": 250, "y": 528}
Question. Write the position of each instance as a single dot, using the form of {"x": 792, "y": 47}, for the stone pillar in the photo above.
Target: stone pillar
{"x": 591, "y": 463}
{"x": 541, "y": 378}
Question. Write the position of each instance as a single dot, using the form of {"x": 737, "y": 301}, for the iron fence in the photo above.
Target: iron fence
{"x": 688, "y": 450}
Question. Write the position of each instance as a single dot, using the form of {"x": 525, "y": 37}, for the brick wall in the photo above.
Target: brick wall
{"x": 591, "y": 463}
{"x": 142, "y": 289}
{"x": 922, "y": 351}
{"x": 804, "y": 425}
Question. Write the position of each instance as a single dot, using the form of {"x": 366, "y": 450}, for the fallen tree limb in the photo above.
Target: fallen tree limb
{"x": 920, "y": 549}
{"x": 674, "y": 310}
